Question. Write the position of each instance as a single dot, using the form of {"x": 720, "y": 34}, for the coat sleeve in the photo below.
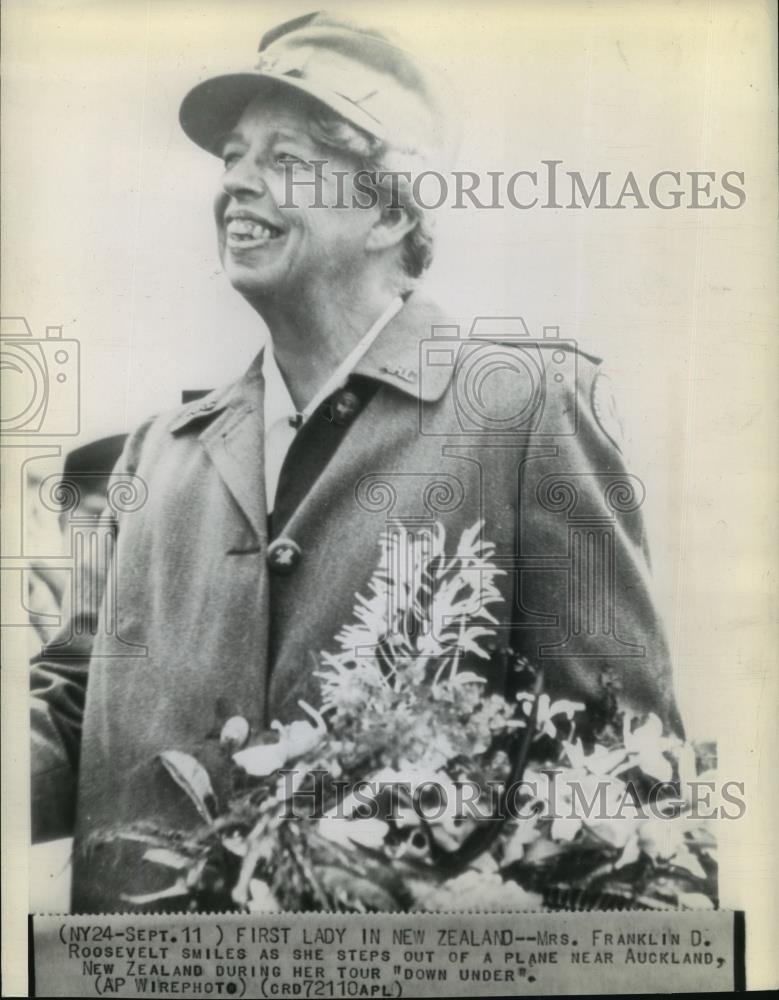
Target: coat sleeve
{"x": 58, "y": 683}
{"x": 584, "y": 607}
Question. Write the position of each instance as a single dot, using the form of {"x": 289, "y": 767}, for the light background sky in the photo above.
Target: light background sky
{"x": 108, "y": 232}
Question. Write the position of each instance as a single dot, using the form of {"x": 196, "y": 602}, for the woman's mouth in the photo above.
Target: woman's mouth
{"x": 246, "y": 234}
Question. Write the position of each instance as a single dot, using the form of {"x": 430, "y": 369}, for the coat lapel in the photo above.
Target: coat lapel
{"x": 233, "y": 437}
{"x": 235, "y": 446}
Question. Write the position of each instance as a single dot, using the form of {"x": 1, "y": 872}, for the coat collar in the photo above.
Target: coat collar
{"x": 395, "y": 358}
{"x": 230, "y": 422}
{"x": 239, "y": 397}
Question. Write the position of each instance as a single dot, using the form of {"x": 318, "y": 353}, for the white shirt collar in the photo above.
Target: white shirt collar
{"x": 281, "y": 418}
{"x": 278, "y": 402}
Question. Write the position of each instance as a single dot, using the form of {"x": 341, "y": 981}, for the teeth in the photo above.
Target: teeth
{"x": 242, "y": 227}
{"x": 248, "y": 229}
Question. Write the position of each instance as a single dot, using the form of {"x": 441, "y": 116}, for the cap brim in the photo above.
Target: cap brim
{"x": 211, "y": 109}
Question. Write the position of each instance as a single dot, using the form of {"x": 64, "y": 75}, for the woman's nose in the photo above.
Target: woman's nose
{"x": 244, "y": 176}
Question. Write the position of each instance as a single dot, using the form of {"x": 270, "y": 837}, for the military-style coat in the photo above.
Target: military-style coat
{"x": 211, "y": 610}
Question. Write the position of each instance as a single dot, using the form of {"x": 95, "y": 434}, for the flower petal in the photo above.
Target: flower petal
{"x": 565, "y": 828}
{"x": 263, "y": 759}
{"x": 261, "y": 898}
{"x": 630, "y": 852}
{"x": 687, "y": 860}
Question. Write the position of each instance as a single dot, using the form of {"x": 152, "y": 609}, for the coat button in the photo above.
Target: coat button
{"x": 345, "y": 407}
{"x": 283, "y": 556}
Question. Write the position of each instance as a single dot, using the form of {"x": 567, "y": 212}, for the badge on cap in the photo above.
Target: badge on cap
{"x": 604, "y": 406}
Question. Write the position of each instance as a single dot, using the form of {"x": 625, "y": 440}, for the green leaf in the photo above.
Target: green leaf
{"x": 695, "y": 901}
{"x": 354, "y": 892}
{"x": 189, "y": 774}
{"x": 179, "y": 888}
{"x": 164, "y": 856}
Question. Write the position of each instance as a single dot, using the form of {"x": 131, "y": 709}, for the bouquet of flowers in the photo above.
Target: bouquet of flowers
{"x": 416, "y": 786}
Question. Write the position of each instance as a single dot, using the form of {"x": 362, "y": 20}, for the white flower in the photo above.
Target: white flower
{"x": 421, "y": 604}
{"x": 479, "y": 892}
{"x": 263, "y": 759}
{"x": 261, "y": 898}
{"x": 663, "y": 840}
{"x": 548, "y": 711}
{"x": 660, "y": 839}
{"x": 600, "y": 762}
{"x": 367, "y": 832}
{"x": 295, "y": 740}
{"x": 235, "y": 732}
{"x": 525, "y": 833}
{"x": 579, "y": 800}
{"x": 646, "y": 746}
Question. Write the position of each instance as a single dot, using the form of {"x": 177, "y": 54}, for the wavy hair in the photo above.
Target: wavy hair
{"x": 337, "y": 134}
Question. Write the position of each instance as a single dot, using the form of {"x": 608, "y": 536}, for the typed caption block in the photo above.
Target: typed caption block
{"x": 384, "y": 955}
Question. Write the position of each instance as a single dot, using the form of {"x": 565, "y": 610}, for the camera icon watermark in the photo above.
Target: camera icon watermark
{"x": 502, "y": 378}
{"x": 41, "y": 383}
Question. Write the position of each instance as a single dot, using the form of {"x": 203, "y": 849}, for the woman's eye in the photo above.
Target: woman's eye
{"x": 229, "y": 159}
{"x": 288, "y": 158}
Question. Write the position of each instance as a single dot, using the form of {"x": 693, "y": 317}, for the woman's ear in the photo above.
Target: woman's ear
{"x": 390, "y": 228}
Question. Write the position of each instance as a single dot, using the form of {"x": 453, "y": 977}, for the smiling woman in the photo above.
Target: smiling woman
{"x": 370, "y": 410}
{"x": 267, "y": 495}
{"x": 613, "y": 171}
{"x": 271, "y": 247}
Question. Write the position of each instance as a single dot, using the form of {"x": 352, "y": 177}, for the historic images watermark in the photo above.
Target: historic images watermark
{"x": 506, "y": 387}
{"x": 548, "y": 186}
{"x": 41, "y": 380}
{"x": 550, "y": 794}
